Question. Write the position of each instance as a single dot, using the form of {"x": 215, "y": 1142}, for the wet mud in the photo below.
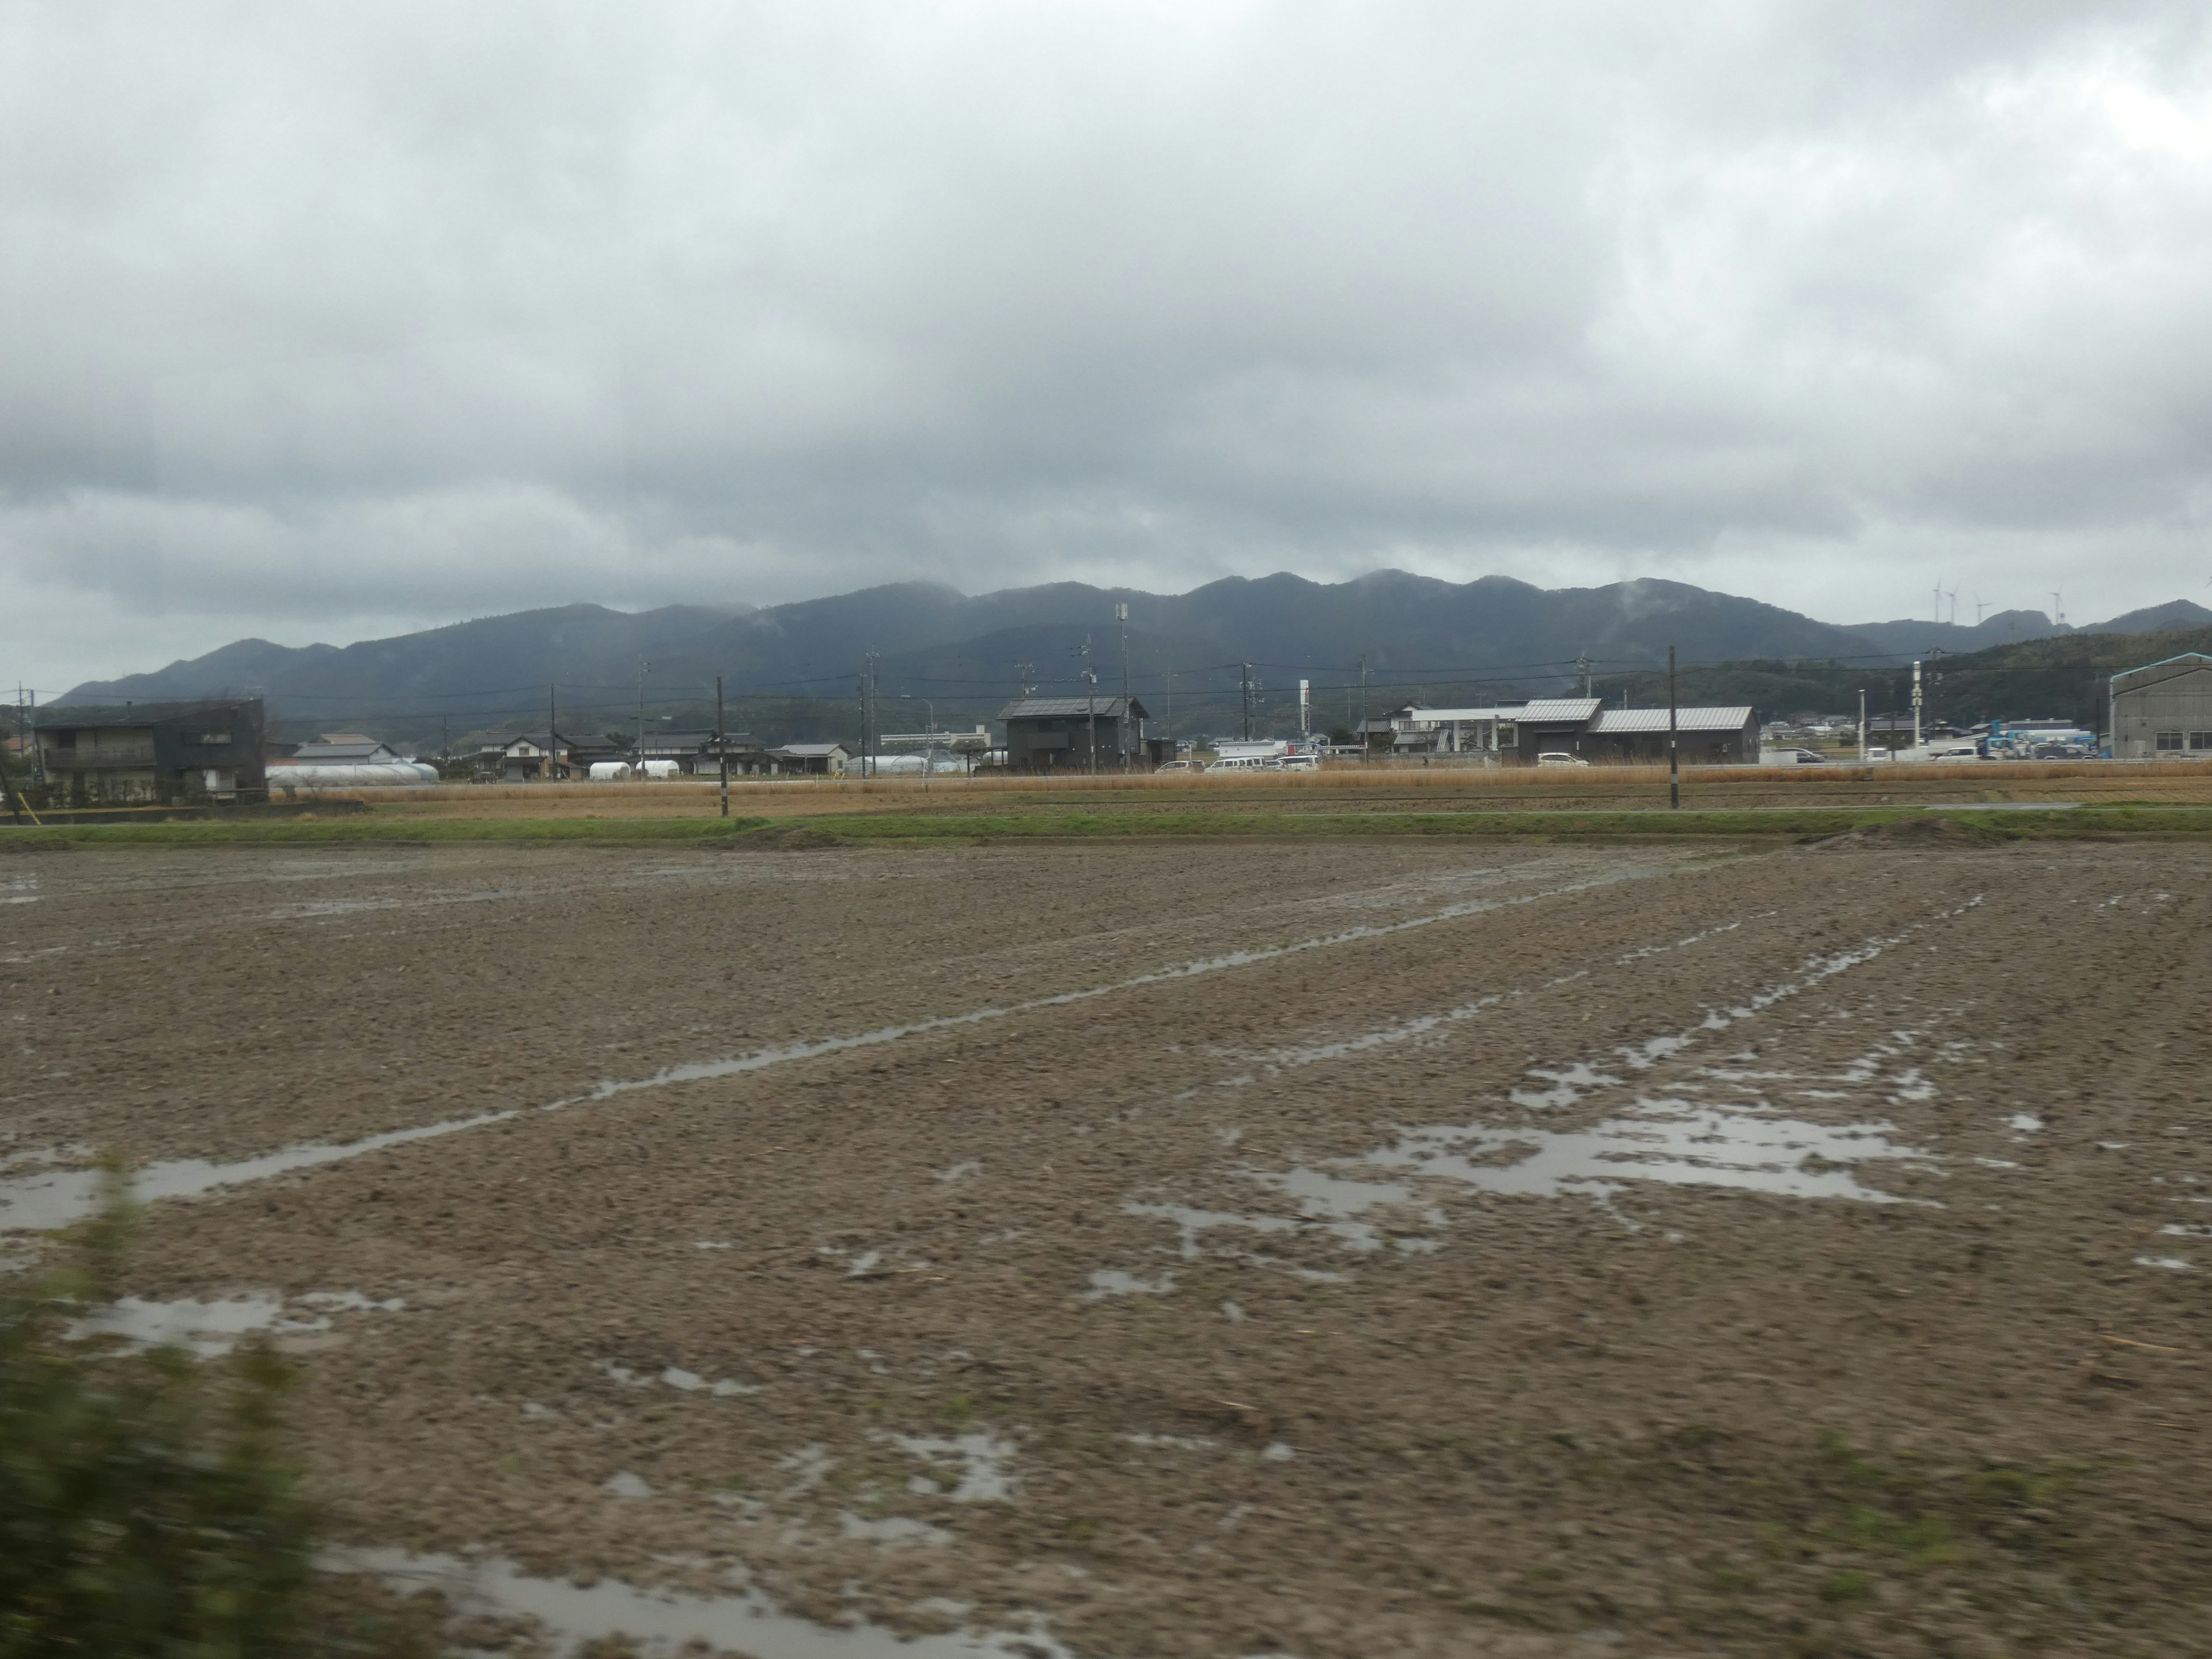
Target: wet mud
{"x": 1117, "y": 1250}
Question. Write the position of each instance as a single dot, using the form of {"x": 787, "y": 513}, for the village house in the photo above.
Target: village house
{"x": 160, "y": 753}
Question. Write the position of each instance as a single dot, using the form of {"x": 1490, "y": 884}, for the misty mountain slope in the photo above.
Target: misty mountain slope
{"x": 1403, "y": 625}
{"x": 583, "y": 643}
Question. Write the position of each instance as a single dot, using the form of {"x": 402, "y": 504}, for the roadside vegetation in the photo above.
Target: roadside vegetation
{"x": 147, "y": 1507}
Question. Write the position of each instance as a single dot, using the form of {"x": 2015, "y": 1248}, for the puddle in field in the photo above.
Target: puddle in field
{"x": 1110, "y": 1282}
{"x": 895, "y": 1531}
{"x": 1719, "y": 1129}
{"x": 675, "y": 1376}
{"x": 354, "y": 907}
{"x": 980, "y": 1459}
{"x": 215, "y": 1326}
{"x": 663, "y": 1623}
{"x": 41, "y": 1203}
{"x": 1674, "y": 1142}
{"x": 44, "y": 1202}
{"x": 2172, "y": 1263}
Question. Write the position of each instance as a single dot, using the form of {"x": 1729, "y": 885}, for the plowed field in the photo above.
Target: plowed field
{"x": 1316, "y": 1249}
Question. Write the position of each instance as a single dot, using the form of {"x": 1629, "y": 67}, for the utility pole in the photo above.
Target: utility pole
{"x": 1917, "y": 739}
{"x": 641, "y": 716}
{"x": 1674, "y": 739}
{"x": 1863, "y": 726}
{"x": 1364, "y": 715}
{"x": 1169, "y": 725}
{"x": 552, "y": 728}
{"x": 1583, "y": 663}
{"x": 1091, "y": 699}
{"x": 1121, "y": 726}
{"x": 722, "y": 745}
{"x": 445, "y": 738}
{"x": 868, "y": 715}
{"x": 1244, "y": 685}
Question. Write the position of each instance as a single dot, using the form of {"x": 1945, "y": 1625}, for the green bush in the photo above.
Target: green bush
{"x": 146, "y": 1509}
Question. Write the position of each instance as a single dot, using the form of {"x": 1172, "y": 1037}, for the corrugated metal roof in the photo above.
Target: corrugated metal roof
{"x": 801, "y": 750}
{"x": 1553, "y": 709}
{"x": 1621, "y": 722}
{"x": 1031, "y": 708}
{"x": 1444, "y": 716}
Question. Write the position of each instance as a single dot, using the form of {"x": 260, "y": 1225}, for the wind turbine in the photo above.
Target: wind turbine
{"x": 2058, "y": 608}
{"x": 1955, "y": 607}
{"x": 1979, "y": 608}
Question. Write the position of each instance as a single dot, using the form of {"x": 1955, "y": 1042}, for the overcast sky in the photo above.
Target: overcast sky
{"x": 325, "y": 321}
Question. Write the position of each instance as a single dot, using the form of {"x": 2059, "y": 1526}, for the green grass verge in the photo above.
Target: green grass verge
{"x": 1046, "y": 823}
{"x": 1789, "y": 825}
{"x": 401, "y": 832}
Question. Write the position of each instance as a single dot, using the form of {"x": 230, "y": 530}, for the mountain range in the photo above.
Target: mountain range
{"x": 1494, "y": 635}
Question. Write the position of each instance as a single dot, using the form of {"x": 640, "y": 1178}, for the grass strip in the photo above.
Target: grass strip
{"x": 324, "y": 832}
{"x": 2085, "y": 822}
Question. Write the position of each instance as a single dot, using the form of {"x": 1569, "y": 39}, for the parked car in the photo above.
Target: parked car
{"x": 1559, "y": 757}
{"x": 1179, "y": 766}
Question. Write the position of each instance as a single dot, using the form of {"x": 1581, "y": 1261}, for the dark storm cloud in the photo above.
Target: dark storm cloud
{"x": 332, "y": 319}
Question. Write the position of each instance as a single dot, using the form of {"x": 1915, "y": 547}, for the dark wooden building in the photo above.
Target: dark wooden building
{"x": 162, "y": 753}
{"x": 1082, "y": 735}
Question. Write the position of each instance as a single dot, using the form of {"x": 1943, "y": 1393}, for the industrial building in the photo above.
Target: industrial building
{"x": 162, "y": 753}
{"x": 1081, "y": 734}
{"x": 2163, "y": 710}
{"x": 1581, "y": 726}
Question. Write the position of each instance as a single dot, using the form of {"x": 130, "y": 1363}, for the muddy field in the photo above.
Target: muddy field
{"x": 1324, "y": 1250}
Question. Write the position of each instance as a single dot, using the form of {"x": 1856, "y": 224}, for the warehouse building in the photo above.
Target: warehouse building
{"x": 2163, "y": 710}
{"x": 1581, "y": 726}
{"x": 1081, "y": 734}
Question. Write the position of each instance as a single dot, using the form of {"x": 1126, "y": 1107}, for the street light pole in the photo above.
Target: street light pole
{"x": 1674, "y": 739}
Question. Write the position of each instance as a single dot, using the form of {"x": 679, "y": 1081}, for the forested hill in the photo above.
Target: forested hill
{"x": 956, "y": 658}
{"x": 2061, "y": 678}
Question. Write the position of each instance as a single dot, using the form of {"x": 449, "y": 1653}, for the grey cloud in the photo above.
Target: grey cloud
{"x": 345, "y": 315}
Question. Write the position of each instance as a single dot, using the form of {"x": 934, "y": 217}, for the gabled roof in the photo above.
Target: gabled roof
{"x": 808, "y": 750}
{"x": 344, "y": 748}
{"x": 2188, "y": 662}
{"x": 1106, "y": 708}
{"x": 1553, "y": 709}
{"x": 1620, "y": 722}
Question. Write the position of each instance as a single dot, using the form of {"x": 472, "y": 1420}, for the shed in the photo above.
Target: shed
{"x": 816, "y": 759}
{"x": 2163, "y": 710}
{"x": 1083, "y": 735}
{"x": 1725, "y": 736}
